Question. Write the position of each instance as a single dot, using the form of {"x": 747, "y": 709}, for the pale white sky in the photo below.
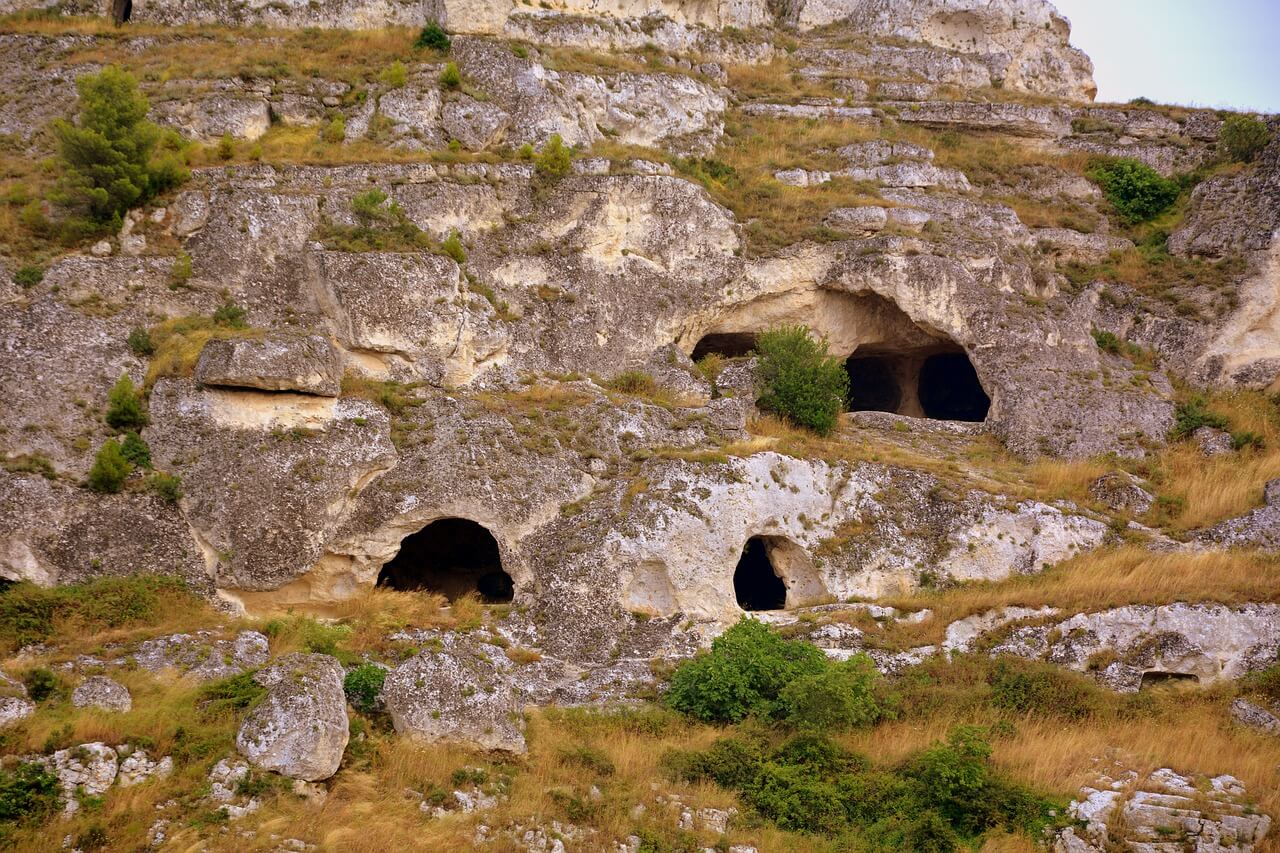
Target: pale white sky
{"x": 1213, "y": 53}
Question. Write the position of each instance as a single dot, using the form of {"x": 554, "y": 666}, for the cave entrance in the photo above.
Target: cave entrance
{"x": 726, "y": 344}
{"x": 922, "y": 383}
{"x": 755, "y": 582}
{"x": 950, "y": 390}
{"x": 121, "y": 10}
{"x": 452, "y": 557}
{"x": 1168, "y": 680}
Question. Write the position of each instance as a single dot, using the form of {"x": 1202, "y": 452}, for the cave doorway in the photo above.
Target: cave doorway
{"x": 950, "y": 389}
{"x": 725, "y": 344}
{"x": 756, "y": 583}
{"x": 121, "y": 11}
{"x": 452, "y": 557}
{"x": 874, "y": 385}
{"x": 1157, "y": 680}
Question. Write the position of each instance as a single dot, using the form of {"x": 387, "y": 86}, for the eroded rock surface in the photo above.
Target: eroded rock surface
{"x": 300, "y": 729}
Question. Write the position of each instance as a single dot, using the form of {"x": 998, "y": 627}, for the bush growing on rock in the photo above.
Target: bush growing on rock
{"x": 362, "y": 686}
{"x": 1242, "y": 138}
{"x": 41, "y": 683}
{"x": 554, "y": 160}
{"x": 432, "y": 38}
{"x": 230, "y": 315}
{"x": 124, "y": 405}
{"x": 451, "y": 77}
{"x": 394, "y": 75}
{"x": 110, "y": 468}
{"x": 1193, "y": 414}
{"x": 109, "y": 155}
{"x": 135, "y": 450}
{"x": 452, "y": 247}
{"x": 28, "y": 794}
{"x": 140, "y": 342}
{"x": 744, "y": 673}
{"x": 1137, "y": 192}
{"x": 28, "y": 276}
{"x": 166, "y": 487}
{"x": 1026, "y": 687}
{"x": 799, "y": 380}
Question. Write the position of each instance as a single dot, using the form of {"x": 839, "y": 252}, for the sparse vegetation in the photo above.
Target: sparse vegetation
{"x": 1242, "y": 138}
{"x": 553, "y": 160}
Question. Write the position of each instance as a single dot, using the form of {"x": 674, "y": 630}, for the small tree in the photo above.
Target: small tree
{"x": 110, "y": 469}
{"x": 124, "y": 406}
{"x": 799, "y": 380}
{"x": 1242, "y": 138}
{"x": 108, "y": 162}
{"x": 553, "y": 161}
{"x": 135, "y": 450}
{"x": 432, "y": 38}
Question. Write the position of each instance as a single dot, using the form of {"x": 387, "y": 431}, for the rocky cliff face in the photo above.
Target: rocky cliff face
{"x": 376, "y": 389}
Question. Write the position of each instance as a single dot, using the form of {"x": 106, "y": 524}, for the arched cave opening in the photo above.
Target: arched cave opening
{"x": 121, "y": 10}
{"x": 452, "y": 557}
{"x": 950, "y": 389}
{"x": 727, "y": 344}
{"x": 756, "y": 583}
{"x": 873, "y": 384}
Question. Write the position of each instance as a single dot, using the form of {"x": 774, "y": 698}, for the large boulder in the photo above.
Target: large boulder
{"x": 300, "y": 729}
{"x": 102, "y": 693}
{"x": 458, "y": 693}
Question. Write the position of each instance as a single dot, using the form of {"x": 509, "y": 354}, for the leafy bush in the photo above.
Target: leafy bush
{"x": 1137, "y": 192}
{"x": 799, "y": 380}
{"x": 394, "y": 75}
{"x": 796, "y": 799}
{"x": 744, "y": 673}
{"x": 140, "y": 342}
{"x": 370, "y": 206}
{"x": 1240, "y": 439}
{"x": 28, "y": 276}
{"x": 124, "y": 405}
{"x": 432, "y": 38}
{"x": 31, "y": 614}
{"x": 1242, "y": 138}
{"x": 554, "y": 159}
{"x": 1024, "y": 687}
{"x": 451, "y": 77}
{"x": 28, "y": 794}
{"x": 135, "y": 450}
{"x": 362, "y": 686}
{"x": 41, "y": 683}
{"x": 335, "y": 131}
{"x": 226, "y": 147}
{"x": 110, "y": 469}
{"x": 108, "y": 155}
{"x": 843, "y": 696}
{"x": 230, "y": 315}
{"x": 452, "y": 247}
{"x": 166, "y": 487}
{"x": 1193, "y": 414}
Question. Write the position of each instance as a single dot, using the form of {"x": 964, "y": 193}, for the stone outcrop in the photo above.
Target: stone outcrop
{"x": 300, "y": 728}
{"x": 1162, "y": 810}
{"x": 308, "y": 365}
{"x": 1258, "y": 528}
{"x": 14, "y": 702}
{"x": 456, "y": 694}
{"x": 202, "y": 655}
{"x": 103, "y": 693}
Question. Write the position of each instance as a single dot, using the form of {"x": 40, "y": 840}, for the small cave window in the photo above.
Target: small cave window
{"x": 727, "y": 344}
{"x": 755, "y": 582}
{"x": 873, "y": 384}
{"x": 1168, "y": 680}
{"x": 452, "y": 557}
{"x": 121, "y": 10}
{"x": 950, "y": 390}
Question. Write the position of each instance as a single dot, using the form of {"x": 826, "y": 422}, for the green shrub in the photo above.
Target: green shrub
{"x": 362, "y": 686}
{"x": 744, "y": 673}
{"x": 843, "y": 696}
{"x": 230, "y": 315}
{"x": 232, "y": 695}
{"x": 323, "y": 638}
{"x": 110, "y": 469}
{"x": 124, "y": 405}
{"x": 108, "y": 156}
{"x": 1193, "y": 414}
{"x": 140, "y": 342}
{"x": 799, "y": 380}
{"x": 1137, "y": 192}
{"x": 370, "y": 207}
{"x": 1106, "y": 341}
{"x": 1023, "y": 687}
{"x": 135, "y": 450}
{"x": 335, "y": 131}
{"x": 1240, "y": 439}
{"x": 796, "y": 799}
{"x": 394, "y": 75}
{"x": 31, "y": 614}
{"x": 41, "y": 683}
{"x": 554, "y": 159}
{"x": 432, "y": 38}
{"x": 588, "y": 758}
{"x": 1242, "y": 138}
{"x": 28, "y": 276}
{"x": 226, "y": 147}
{"x": 453, "y": 248}
{"x": 730, "y": 762}
{"x": 166, "y": 487}
{"x": 451, "y": 77}
{"x": 28, "y": 794}
{"x": 180, "y": 274}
